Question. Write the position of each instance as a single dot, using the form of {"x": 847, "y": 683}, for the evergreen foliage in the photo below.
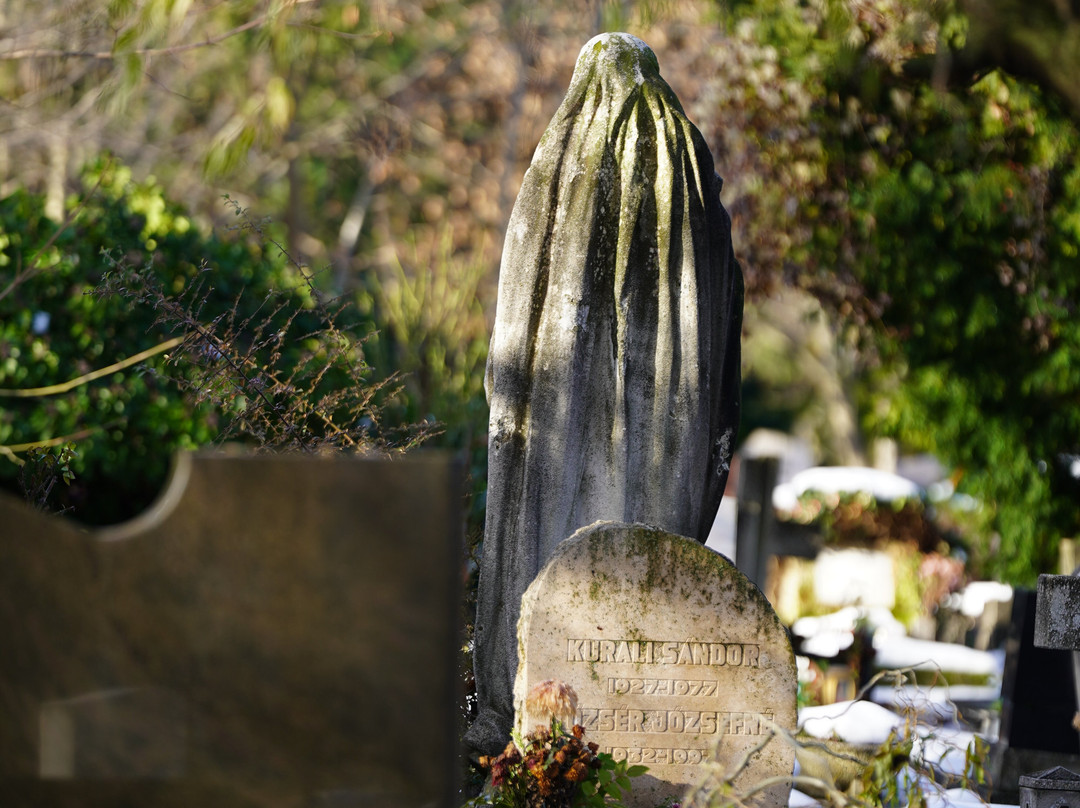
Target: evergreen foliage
{"x": 948, "y": 218}
{"x": 235, "y": 343}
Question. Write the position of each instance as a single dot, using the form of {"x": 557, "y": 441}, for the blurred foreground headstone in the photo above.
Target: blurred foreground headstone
{"x": 277, "y": 630}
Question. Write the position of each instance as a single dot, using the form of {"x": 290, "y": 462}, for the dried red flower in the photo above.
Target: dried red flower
{"x": 548, "y": 770}
{"x": 577, "y": 772}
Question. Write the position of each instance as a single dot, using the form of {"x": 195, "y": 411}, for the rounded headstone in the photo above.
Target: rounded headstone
{"x": 676, "y": 657}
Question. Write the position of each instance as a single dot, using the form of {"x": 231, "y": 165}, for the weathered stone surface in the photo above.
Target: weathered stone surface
{"x": 1056, "y": 787}
{"x": 671, "y": 651}
{"x": 1057, "y": 614}
{"x": 613, "y": 373}
{"x": 274, "y": 632}
{"x": 131, "y": 732}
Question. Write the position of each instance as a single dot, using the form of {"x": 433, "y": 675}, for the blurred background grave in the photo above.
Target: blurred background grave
{"x": 878, "y": 580}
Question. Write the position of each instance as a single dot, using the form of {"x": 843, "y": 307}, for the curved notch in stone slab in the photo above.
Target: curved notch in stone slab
{"x": 674, "y": 654}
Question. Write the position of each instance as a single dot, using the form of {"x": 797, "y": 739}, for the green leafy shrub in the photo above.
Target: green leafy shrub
{"x": 428, "y": 325}
{"x": 939, "y": 228}
{"x": 42, "y": 468}
{"x": 235, "y": 343}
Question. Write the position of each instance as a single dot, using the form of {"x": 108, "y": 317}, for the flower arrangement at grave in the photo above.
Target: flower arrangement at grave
{"x": 552, "y": 767}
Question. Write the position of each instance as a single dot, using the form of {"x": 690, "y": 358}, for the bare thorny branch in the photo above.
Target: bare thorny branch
{"x": 717, "y": 788}
{"x": 251, "y": 369}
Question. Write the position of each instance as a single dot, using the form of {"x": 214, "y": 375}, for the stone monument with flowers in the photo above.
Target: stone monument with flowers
{"x": 613, "y": 380}
{"x": 552, "y": 765}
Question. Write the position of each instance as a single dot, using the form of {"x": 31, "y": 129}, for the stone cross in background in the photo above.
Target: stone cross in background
{"x": 613, "y": 373}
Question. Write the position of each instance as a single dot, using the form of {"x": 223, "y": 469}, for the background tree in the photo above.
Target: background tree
{"x": 385, "y": 143}
{"x": 127, "y": 334}
{"x": 943, "y": 233}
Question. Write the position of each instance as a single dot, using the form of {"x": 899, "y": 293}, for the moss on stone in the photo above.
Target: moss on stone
{"x": 614, "y": 362}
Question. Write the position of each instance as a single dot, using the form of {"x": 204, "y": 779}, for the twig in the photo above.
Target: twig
{"x": 839, "y": 797}
{"x": 55, "y": 389}
{"x": 12, "y": 449}
{"x": 753, "y": 750}
{"x": 106, "y": 56}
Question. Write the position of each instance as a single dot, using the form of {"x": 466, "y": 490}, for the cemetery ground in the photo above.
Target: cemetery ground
{"x": 945, "y": 698}
{"x": 915, "y": 682}
{"x": 894, "y": 638}
{"x": 863, "y": 588}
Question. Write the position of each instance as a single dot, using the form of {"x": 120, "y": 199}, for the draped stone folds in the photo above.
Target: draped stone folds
{"x": 613, "y": 372}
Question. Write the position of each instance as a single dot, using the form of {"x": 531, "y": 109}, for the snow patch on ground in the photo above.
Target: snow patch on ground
{"x": 942, "y": 748}
{"x": 857, "y": 722}
{"x": 907, "y": 652}
{"x": 882, "y": 485}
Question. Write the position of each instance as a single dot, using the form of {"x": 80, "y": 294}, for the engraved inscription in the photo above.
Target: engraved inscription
{"x": 617, "y": 686}
{"x": 694, "y": 722}
{"x": 652, "y": 755}
{"x": 681, "y": 663}
{"x": 663, "y": 652}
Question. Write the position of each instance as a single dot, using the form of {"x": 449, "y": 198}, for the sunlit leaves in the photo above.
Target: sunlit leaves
{"x": 955, "y": 215}
{"x": 128, "y": 423}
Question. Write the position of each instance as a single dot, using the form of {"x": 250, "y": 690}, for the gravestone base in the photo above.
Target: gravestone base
{"x": 1008, "y": 765}
{"x": 678, "y": 660}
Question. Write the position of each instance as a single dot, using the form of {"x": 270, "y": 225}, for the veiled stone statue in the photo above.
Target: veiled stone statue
{"x": 613, "y": 373}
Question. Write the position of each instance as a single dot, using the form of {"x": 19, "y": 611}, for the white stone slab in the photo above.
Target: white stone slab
{"x": 852, "y": 576}
{"x": 676, "y": 657}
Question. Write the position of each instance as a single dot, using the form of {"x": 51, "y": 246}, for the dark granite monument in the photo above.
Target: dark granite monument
{"x": 276, "y": 631}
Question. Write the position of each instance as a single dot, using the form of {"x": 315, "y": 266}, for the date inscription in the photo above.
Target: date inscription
{"x": 660, "y": 687}
{"x": 651, "y": 755}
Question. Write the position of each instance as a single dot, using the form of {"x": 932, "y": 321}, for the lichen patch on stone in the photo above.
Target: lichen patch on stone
{"x": 628, "y": 55}
{"x": 613, "y": 367}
